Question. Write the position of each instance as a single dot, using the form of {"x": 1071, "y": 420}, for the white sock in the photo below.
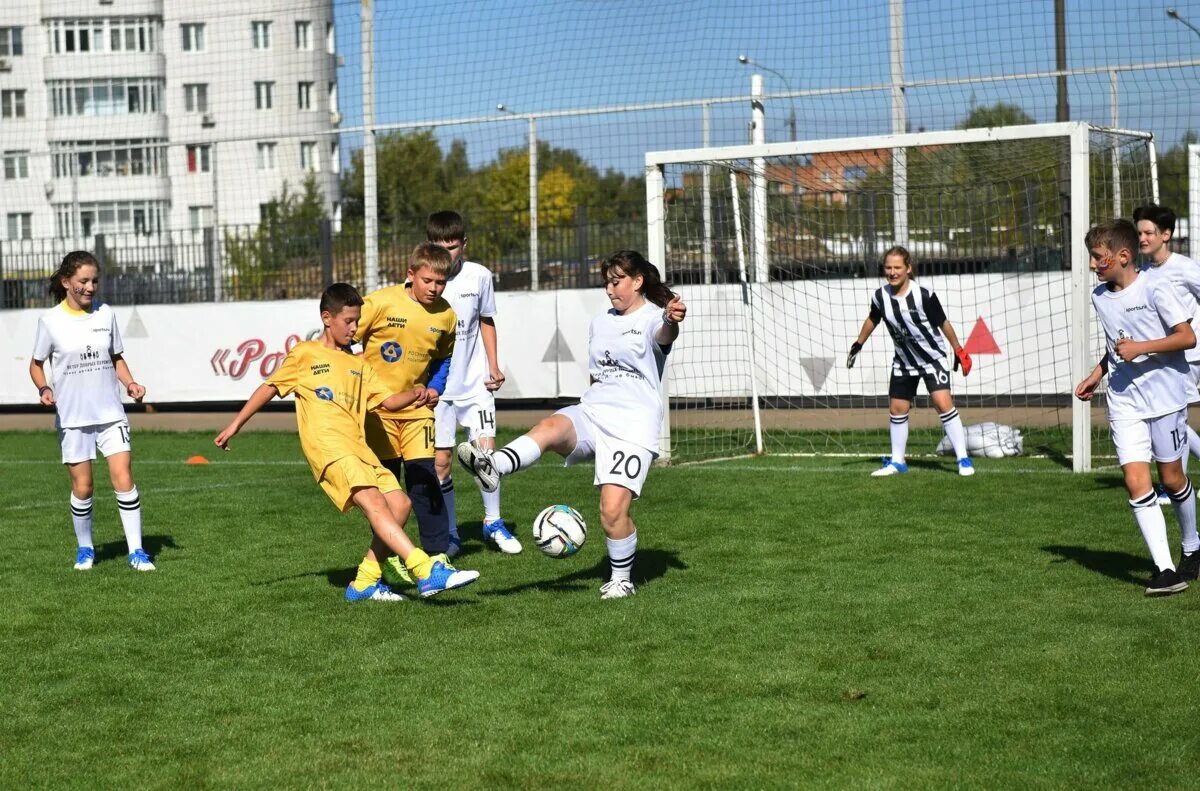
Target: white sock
{"x": 130, "y": 506}
{"x": 81, "y": 519}
{"x": 952, "y": 423}
{"x": 1153, "y": 525}
{"x": 451, "y": 510}
{"x": 1184, "y": 504}
{"x": 1193, "y": 446}
{"x": 899, "y": 432}
{"x": 620, "y": 555}
{"x": 491, "y": 505}
{"x": 516, "y": 455}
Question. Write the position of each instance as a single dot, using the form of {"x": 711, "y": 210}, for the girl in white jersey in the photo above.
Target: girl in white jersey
{"x": 79, "y": 337}
{"x": 617, "y": 421}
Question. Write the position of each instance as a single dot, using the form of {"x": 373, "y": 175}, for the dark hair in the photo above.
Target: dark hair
{"x": 338, "y": 296}
{"x": 1116, "y": 235}
{"x": 1161, "y": 216}
{"x": 902, "y": 251}
{"x": 633, "y": 263}
{"x": 434, "y": 256}
{"x": 69, "y": 266}
{"x": 445, "y": 226}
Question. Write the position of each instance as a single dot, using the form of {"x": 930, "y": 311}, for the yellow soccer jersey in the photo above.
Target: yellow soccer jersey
{"x": 334, "y": 390}
{"x": 401, "y": 337}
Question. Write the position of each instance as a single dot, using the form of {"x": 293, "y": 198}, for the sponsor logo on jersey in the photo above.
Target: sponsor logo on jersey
{"x": 319, "y": 368}
{"x": 324, "y": 393}
{"x": 397, "y": 321}
{"x": 1136, "y": 307}
{"x": 353, "y": 372}
{"x": 89, "y": 354}
{"x": 391, "y": 351}
{"x": 437, "y": 330}
{"x": 632, "y": 332}
{"x": 469, "y": 294}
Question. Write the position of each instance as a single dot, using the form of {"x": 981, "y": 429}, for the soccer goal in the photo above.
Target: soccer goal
{"x": 778, "y": 248}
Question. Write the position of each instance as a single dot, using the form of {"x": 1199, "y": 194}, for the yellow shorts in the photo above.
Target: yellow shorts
{"x": 408, "y": 439}
{"x": 348, "y": 473}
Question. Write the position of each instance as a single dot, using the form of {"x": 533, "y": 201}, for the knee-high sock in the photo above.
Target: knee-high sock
{"x": 952, "y": 423}
{"x": 1184, "y": 504}
{"x": 447, "y": 487}
{"x": 491, "y": 505}
{"x": 516, "y": 455}
{"x": 1153, "y": 525}
{"x": 899, "y": 433}
{"x": 130, "y": 506}
{"x": 425, "y": 491}
{"x": 621, "y": 552}
{"x": 81, "y": 520}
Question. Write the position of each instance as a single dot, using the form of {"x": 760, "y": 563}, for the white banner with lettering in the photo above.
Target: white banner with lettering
{"x": 1015, "y": 325}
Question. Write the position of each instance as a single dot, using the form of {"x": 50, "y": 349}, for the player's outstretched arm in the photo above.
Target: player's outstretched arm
{"x": 961, "y": 358}
{"x": 868, "y": 326}
{"x": 260, "y": 398}
{"x": 135, "y": 390}
{"x": 673, "y": 313}
{"x": 487, "y": 331}
{"x": 37, "y": 372}
{"x": 397, "y": 401}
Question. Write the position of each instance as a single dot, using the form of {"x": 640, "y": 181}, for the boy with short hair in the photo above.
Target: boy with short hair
{"x": 474, "y": 375}
{"x": 407, "y": 334}
{"x": 1147, "y": 328}
{"x": 334, "y": 391}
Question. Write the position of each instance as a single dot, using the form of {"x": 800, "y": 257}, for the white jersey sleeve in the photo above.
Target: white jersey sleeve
{"x": 1184, "y": 273}
{"x": 116, "y": 345}
{"x": 43, "y": 344}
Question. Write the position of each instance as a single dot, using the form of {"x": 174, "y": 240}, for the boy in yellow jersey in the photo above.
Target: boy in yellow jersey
{"x": 334, "y": 391}
{"x": 407, "y": 334}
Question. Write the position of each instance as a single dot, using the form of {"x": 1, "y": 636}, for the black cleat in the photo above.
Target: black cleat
{"x": 1164, "y": 583}
{"x": 1189, "y": 565}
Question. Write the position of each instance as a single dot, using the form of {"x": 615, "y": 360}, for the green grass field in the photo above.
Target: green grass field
{"x": 797, "y": 624}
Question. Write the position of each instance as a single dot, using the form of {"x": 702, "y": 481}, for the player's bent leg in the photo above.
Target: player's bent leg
{"x": 395, "y": 573}
{"x": 441, "y": 467}
{"x": 81, "y": 514}
{"x": 423, "y": 488}
{"x": 620, "y": 538}
{"x": 129, "y": 504}
{"x": 953, "y": 426}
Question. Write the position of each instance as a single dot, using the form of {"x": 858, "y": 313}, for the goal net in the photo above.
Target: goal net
{"x": 777, "y": 250}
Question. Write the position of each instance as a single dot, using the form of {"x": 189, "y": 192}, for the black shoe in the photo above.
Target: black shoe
{"x": 1189, "y": 565}
{"x": 1164, "y": 583}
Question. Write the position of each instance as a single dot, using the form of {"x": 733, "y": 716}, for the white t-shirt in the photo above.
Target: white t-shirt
{"x": 626, "y": 366}
{"x": 1152, "y": 384}
{"x": 1185, "y": 274}
{"x": 472, "y": 295}
{"x": 80, "y": 347}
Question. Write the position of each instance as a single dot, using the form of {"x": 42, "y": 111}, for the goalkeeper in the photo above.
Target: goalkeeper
{"x": 919, "y": 329}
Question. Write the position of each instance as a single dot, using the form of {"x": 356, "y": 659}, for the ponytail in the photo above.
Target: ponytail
{"x": 634, "y": 264}
{"x": 69, "y": 266}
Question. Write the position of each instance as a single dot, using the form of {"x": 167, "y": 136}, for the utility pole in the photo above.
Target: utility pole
{"x": 1063, "y": 110}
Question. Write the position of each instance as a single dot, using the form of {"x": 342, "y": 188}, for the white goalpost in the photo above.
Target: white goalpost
{"x": 778, "y": 261}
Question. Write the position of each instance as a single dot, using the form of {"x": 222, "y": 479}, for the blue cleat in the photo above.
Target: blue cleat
{"x": 890, "y": 468}
{"x": 498, "y": 533}
{"x": 376, "y": 592}
{"x": 965, "y": 467}
{"x": 85, "y": 558}
{"x": 140, "y": 561}
{"x": 444, "y": 578}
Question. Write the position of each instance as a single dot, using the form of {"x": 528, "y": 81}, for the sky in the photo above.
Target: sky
{"x": 438, "y": 61}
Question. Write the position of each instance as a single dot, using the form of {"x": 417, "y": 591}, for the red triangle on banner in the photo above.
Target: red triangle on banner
{"x": 981, "y": 340}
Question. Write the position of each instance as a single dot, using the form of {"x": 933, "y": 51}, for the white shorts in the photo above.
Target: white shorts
{"x": 1161, "y": 438}
{"x": 1194, "y": 365}
{"x": 80, "y": 443}
{"x": 617, "y": 461}
{"x": 477, "y": 414}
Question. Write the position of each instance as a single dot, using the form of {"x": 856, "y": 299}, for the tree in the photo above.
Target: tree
{"x": 285, "y": 240}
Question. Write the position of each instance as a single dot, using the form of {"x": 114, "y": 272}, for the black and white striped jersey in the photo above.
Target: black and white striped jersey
{"x": 915, "y": 323}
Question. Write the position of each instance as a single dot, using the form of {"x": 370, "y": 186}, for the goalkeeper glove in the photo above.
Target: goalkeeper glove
{"x": 961, "y": 358}
{"x": 855, "y": 348}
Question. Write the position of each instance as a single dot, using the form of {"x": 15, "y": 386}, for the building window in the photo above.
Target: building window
{"x": 304, "y": 96}
{"x": 20, "y": 225}
{"x": 303, "y": 34}
{"x": 854, "y": 173}
{"x": 193, "y": 36}
{"x": 200, "y": 217}
{"x": 100, "y": 158}
{"x": 104, "y": 97}
{"x": 199, "y": 159}
{"x": 261, "y": 33}
{"x": 12, "y": 42}
{"x": 329, "y": 38}
{"x": 264, "y": 95}
{"x": 16, "y": 165}
{"x": 12, "y": 104}
{"x": 826, "y": 176}
{"x": 144, "y": 217}
{"x": 195, "y": 97}
{"x": 266, "y": 156}
{"x": 333, "y": 97}
{"x": 335, "y": 157}
{"x": 308, "y": 156}
{"x": 67, "y": 36}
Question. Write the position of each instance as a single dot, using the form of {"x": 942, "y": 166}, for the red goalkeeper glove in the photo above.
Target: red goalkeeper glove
{"x": 961, "y": 358}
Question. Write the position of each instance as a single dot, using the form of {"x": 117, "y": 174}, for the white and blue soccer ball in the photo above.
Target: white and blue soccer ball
{"x": 559, "y": 531}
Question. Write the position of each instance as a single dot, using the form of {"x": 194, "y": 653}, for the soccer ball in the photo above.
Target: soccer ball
{"x": 559, "y": 531}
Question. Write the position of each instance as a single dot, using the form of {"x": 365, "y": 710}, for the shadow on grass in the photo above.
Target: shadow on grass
{"x": 119, "y": 549}
{"x": 1120, "y": 566}
{"x": 1053, "y": 454}
{"x": 649, "y": 565}
{"x": 928, "y": 465}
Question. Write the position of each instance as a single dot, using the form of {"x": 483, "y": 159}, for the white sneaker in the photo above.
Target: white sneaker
{"x": 890, "y": 468}
{"x": 479, "y": 464}
{"x": 85, "y": 558}
{"x": 140, "y": 561}
{"x": 498, "y": 533}
{"x": 617, "y": 589}
{"x": 965, "y": 467}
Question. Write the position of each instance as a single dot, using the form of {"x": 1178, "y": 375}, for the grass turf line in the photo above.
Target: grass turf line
{"x": 790, "y": 629}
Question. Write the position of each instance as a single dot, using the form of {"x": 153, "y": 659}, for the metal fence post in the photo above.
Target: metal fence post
{"x": 99, "y": 251}
{"x": 325, "y": 242}
{"x": 210, "y": 261}
{"x": 581, "y": 243}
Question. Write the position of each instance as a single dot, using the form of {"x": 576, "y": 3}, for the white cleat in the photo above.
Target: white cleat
{"x": 479, "y": 464}
{"x": 498, "y": 533}
{"x": 140, "y": 561}
{"x": 617, "y": 589}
